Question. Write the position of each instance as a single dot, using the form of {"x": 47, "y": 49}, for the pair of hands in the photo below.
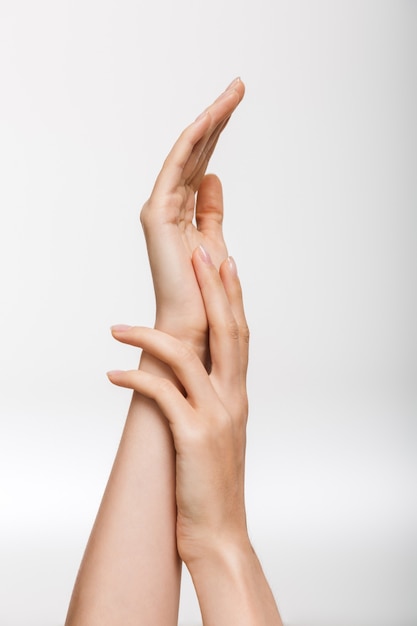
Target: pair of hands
{"x": 199, "y": 316}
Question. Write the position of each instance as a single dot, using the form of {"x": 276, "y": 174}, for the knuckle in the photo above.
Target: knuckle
{"x": 184, "y": 353}
{"x": 233, "y": 329}
{"x": 244, "y": 408}
{"x": 244, "y": 333}
{"x": 196, "y": 437}
{"x": 145, "y": 214}
{"x": 164, "y": 387}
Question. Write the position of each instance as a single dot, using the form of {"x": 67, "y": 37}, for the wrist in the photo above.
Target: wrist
{"x": 216, "y": 551}
{"x": 232, "y": 574}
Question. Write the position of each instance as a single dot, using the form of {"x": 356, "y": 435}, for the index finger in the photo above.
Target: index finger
{"x": 195, "y": 141}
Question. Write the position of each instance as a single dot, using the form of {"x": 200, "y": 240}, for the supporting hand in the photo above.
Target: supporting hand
{"x": 208, "y": 422}
{"x": 185, "y": 210}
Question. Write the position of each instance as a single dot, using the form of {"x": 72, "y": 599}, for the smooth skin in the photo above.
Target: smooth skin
{"x": 207, "y": 418}
{"x": 185, "y": 210}
{"x": 130, "y": 573}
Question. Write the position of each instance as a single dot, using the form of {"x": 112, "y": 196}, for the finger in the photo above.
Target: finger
{"x": 209, "y": 207}
{"x": 188, "y": 147}
{"x": 223, "y": 328}
{"x": 187, "y": 151}
{"x": 169, "y": 399}
{"x": 220, "y": 112}
{"x": 196, "y": 168}
{"x": 183, "y": 360}
{"x": 230, "y": 279}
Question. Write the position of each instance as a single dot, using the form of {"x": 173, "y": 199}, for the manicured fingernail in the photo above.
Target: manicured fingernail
{"x": 204, "y": 255}
{"x": 120, "y": 328}
{"x": 233, "y": 83}
{"x": 232, "y": 265}
{"x": 114, "y": 373}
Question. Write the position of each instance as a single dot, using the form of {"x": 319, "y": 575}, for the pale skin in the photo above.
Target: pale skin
{"x": 176, "y": 488}
{"x": 208, "y": 424}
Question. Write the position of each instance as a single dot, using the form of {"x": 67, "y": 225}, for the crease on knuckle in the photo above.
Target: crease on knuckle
{"x": 233, "y": 329}
{"x": 184, "y": 354}
{"x": 164, "y": 387}
{"x": 244, "y": 332}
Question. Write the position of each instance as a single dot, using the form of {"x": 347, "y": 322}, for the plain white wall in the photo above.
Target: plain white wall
{"x": 319, "y": 170}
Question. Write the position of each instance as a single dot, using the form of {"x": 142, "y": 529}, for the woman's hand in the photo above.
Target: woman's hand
{"x": 208, "y": 418}
{"x": 185, "y": 210}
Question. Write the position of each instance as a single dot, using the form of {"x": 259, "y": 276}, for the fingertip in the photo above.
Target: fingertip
{"x": 228, "y": 269}
{"x": 231, "y": 265}
{"x": 202, "y": 255}
{"x": 114, "y": 375}
{"x": 120, "y": 328}
{"x": 213, "y": 184}
{"x": 233, "y": 83}
{"x": 241, "y": 86}
{"x": 238, "y": 86}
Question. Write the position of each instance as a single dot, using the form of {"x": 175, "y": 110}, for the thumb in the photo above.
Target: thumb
{"x": 209, "y": 207}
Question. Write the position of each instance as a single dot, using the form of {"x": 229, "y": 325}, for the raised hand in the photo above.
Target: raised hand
{"x": 185, "y": 209}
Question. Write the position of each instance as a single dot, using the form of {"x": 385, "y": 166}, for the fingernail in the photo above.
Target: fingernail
{"x": 204, "y": 255}
{"x": 233, "y": 83}
{"x": 114, "y": 373}
{"x": 232, "y": 265}
{"x": 119, "y": 328}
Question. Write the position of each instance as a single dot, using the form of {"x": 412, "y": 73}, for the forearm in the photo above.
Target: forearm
{"x": 130, "y": 573}
{"x": 232, "y": 588}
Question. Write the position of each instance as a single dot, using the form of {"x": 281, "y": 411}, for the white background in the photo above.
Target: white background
{"x": 319, "y": 170}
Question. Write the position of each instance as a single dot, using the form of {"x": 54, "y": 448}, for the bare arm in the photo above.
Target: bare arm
{"x": 130, "y": 574}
